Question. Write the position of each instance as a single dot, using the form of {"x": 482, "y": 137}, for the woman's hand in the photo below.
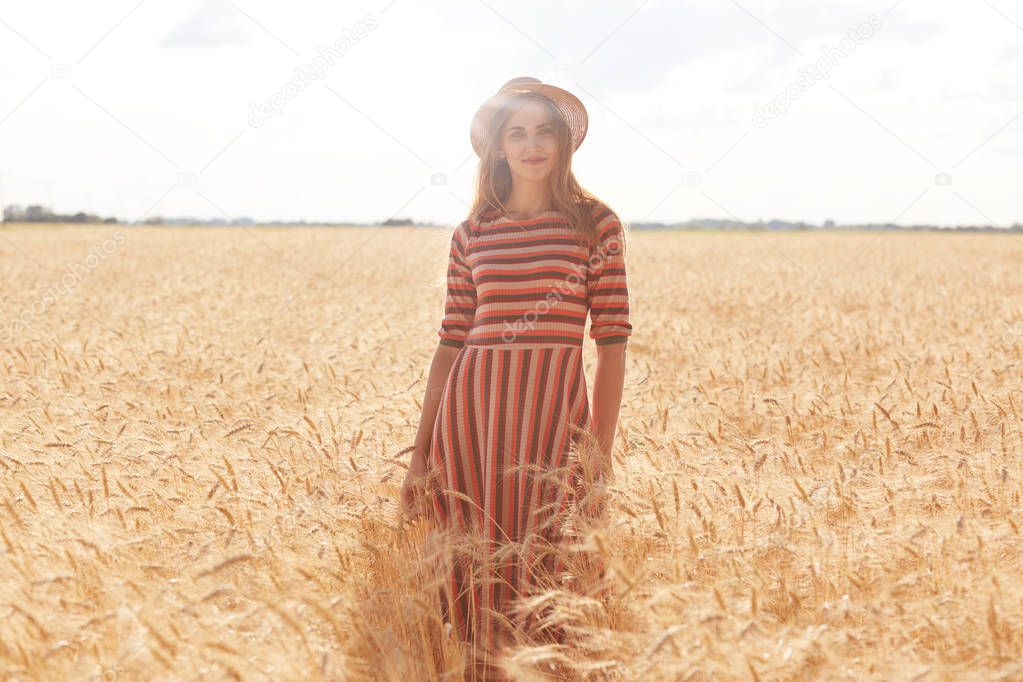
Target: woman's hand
{"x": 595, "y": 500}
{"x": 413, "y": 488}
{"x": 597, "y": 472}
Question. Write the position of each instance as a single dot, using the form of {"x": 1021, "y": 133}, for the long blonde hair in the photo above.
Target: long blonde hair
{"x": 494, "y": 180}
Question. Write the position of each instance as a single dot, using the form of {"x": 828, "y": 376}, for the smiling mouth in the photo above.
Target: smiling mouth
{"x": 535, "y": 160}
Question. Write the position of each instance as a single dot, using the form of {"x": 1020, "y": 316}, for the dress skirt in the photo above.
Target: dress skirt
{"x": 507, "y": 473}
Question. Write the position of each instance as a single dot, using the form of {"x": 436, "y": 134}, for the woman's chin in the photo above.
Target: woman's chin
{"x": 533, "y": 172}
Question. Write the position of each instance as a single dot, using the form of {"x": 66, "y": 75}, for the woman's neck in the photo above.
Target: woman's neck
{"x": 527, "y": 203}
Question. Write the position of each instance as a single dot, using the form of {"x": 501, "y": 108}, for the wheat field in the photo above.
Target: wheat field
{"x": 817, "y": 470}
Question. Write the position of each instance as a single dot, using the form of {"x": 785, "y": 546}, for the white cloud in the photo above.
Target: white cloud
{"x": 214, "y": 23}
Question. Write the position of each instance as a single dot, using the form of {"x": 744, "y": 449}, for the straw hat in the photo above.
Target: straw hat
{"x": 572, "y": 110}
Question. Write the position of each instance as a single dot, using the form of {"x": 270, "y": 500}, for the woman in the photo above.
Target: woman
{"x": 506, "y": 414}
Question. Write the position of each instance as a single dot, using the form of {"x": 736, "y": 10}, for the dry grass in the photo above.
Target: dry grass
{"x": 814, "y": 479}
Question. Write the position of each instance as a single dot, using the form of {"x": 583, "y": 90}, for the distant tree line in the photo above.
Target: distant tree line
{"x": 828, "y": 225}
{"x": 41, "y": 214}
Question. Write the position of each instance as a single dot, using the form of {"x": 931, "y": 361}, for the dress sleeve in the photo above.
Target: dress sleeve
{"x": 607, "y": 285}
{"x": 460, "y": 299}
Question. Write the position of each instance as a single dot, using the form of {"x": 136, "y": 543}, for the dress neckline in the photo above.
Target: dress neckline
{"x": 502, "y": 218}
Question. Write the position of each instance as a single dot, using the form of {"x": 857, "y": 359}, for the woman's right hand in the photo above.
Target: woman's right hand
{"x": 413, "y": 489}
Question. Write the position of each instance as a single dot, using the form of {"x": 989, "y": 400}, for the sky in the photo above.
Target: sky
{"x": 902, "y": 111}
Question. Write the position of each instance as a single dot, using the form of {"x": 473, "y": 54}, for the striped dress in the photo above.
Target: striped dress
{"x": 518, "y": 295}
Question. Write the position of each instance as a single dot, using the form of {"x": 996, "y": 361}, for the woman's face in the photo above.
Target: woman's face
{"x": 529, "y": 143}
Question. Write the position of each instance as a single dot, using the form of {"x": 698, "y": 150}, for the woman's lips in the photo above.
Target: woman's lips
{"x": 534, "y": 161}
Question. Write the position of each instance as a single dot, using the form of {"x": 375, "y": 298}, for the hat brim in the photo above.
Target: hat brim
{"x": 568, "y": 105}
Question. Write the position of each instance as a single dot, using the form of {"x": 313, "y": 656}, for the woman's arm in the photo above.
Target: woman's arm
{"x": 443, "y": 359}
{"x": 412, "y": 500}
{"x": 608, "y": 383}
{"x": 459, "y": 312}
{"x": 610, "y": 328}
